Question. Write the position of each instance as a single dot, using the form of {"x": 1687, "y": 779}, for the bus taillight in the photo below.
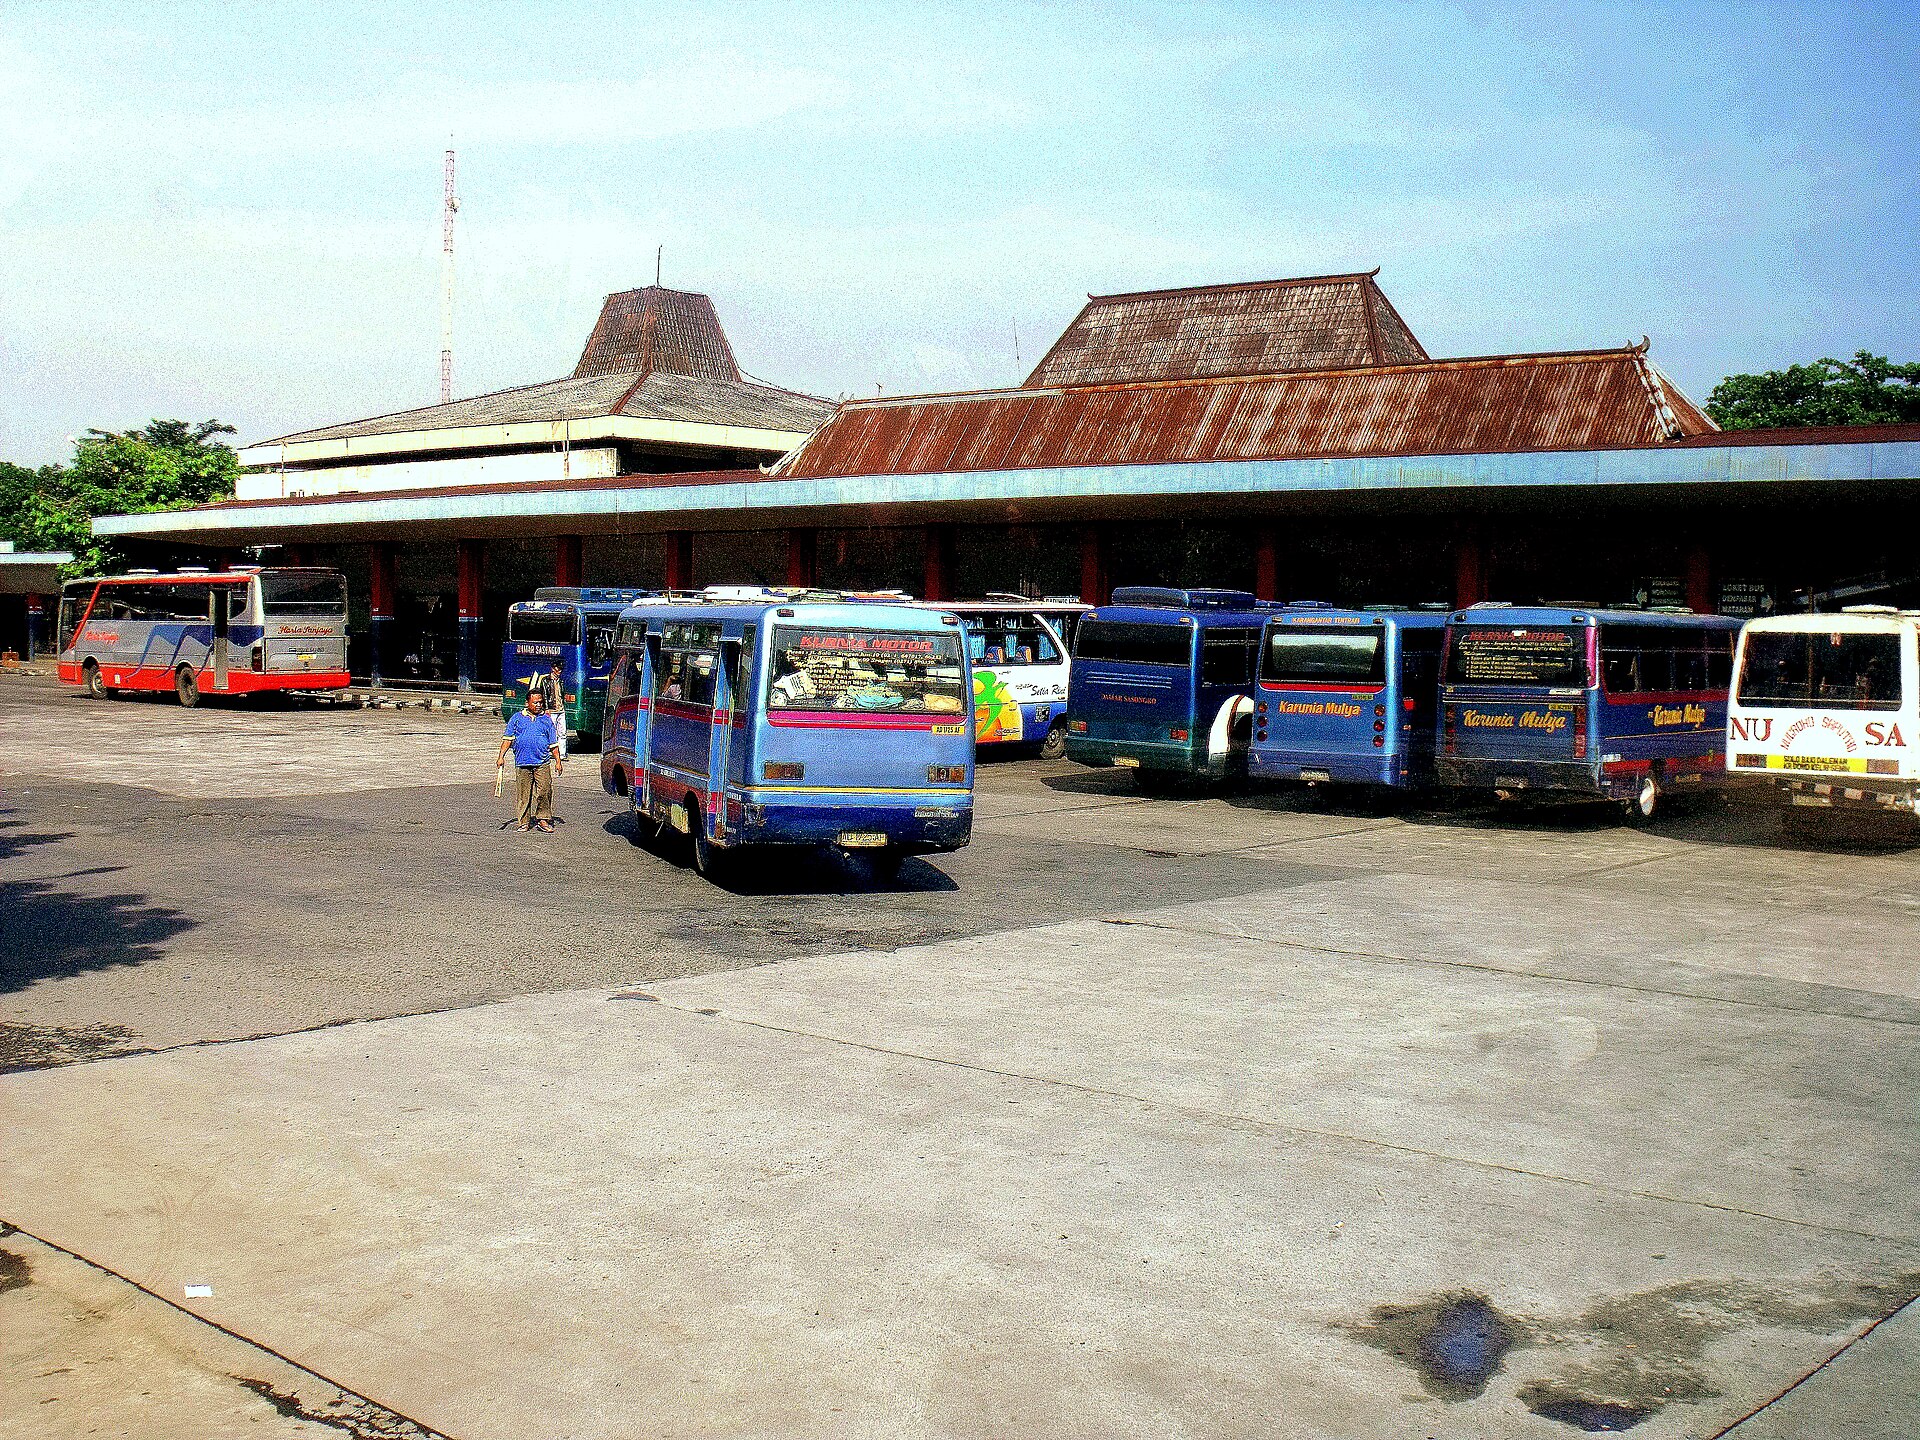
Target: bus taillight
{"x": 1580, "y": 734}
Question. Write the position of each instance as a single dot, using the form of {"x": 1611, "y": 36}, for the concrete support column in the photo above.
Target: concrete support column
{"x": 381, "y": 585}
{"x": 937, "y": 574}
{"x": 1699, "y": 580}
{"x": 1469, "y": 568}
{"x": 803, "y": 556}
{"x": 1093, "y": 564}
{"x": 472, "y": 579}
{"x": 679, "y": 559}
{"x": 566, "y": 560}
{"x": 1266, "y": 563}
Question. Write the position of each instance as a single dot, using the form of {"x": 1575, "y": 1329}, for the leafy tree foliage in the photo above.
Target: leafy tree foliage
{"x": 1865, "y": 390}
{"x": 165, "y": 465}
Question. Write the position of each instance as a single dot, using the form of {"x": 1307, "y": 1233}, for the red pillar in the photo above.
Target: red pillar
{"x": 566, "y": 560}
{"x": 1266, "y": 564}
{"x": 1699, "y": 580}
{"x": 1469, "y": 569}
{"x": 937, "y": 582}
{"x": 803, "y": 556}
{"x": 679, "y": 559}
{"x": 1093, "y": 565}
{"x": 472, "y": 572}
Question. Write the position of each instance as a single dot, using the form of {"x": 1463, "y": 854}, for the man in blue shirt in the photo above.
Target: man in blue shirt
{"x": 536, "y": 759}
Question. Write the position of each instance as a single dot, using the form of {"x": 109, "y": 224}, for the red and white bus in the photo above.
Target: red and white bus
{"x": 205, "y": 632}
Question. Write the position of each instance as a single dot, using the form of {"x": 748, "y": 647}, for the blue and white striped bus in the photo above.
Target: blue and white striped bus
{"x": 774, "y": 721}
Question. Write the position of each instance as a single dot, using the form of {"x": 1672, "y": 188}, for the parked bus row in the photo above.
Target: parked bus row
{"x": 1556, "y": 703}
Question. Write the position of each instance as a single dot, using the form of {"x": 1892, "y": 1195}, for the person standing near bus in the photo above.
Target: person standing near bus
{"x": 536, "y": 759}
{"x": 549, "y": 686}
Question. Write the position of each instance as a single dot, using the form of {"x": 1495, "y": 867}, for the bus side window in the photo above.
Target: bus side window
{"x": 599, "y": 644}
{"x": 1619, "y": 666}
{"x": 1720, "y": 660}
{"x": 1690, "y": 665}
{"x": 668, "y": 674}
{"x": 1226, "y": 657}
{"x": 619, "y": 682}
{"x": 702, "y": 678}
{"x": 1656, "y": 664}
{"x": 743, "y": 674}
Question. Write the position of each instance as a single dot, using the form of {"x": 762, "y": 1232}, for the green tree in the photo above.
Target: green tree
{"x": 165, "y": 465}
{"x": 1866, "y": 390}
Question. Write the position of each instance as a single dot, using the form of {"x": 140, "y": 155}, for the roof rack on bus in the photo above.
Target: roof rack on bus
{"x": 143, "y": 570}
{"x": 1165, "y": 597}
{"x": 1868, "y": 610}
{"x": 1489, "y": 605}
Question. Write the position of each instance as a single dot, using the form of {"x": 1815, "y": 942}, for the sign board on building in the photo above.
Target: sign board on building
{"x": 1743, "y": 599}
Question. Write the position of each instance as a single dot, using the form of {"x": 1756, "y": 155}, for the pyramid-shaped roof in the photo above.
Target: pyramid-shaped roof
{"x": 1269, "y": 327}
{"x": 657, "y": 331}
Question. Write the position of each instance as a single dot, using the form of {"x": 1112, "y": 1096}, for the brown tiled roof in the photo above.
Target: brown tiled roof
{"x": 660, "y": 396}
{"x": 1323, "y": 322}
{"x": 653, "y": 331}
{"x": 1573, "y": 401}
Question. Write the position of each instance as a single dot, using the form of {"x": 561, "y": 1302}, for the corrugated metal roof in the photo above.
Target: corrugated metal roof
{"x": 1324, "y": 322}
{"x": 654, "y": 330}
{"x": 1574, "y": 401}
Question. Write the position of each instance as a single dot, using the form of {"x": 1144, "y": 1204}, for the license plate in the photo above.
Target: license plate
{"x": 1126, "y": 762}
{"x": 1318, "y": 777}
{"x": 1511, "y": 782}
{"x": 306, "y": 659}
{"x": 949, "y": 729}
{"x": 1818, "y": 802}
{"x": 862, "y": 839}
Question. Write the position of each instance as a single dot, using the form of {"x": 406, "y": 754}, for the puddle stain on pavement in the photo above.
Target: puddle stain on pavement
{"x": 1622, "y": 1359}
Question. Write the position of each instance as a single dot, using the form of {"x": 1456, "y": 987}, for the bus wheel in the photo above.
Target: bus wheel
{"x": 1055, "y": 745}
{"x": 186, "y": 687}
{"x": 884, "y": 865}
{"x": 90, "y": 680}
{"x": 709, "y": 860}
{"x": 1646, "y": 800}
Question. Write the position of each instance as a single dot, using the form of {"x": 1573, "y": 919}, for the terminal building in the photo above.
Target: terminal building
{"x": 1289, "y": 437}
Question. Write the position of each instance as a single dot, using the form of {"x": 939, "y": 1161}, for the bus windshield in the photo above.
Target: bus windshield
{"x": 1551, "y": 655}
{"x": 1837, "y": 670}
{"x": 1321, "y": 657}
{"x": 560, "y": 627}
{"x": 884, "y": 672}
{"x": 294, "y": 592}
{"x": 1129, "y": 642}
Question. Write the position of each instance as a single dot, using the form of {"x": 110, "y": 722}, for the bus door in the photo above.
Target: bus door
{"x": 222, "y": 603}
{"x": 1019, "y": 678}
{"x": 685, "y": 682}
{"x": 1320, "y": 712}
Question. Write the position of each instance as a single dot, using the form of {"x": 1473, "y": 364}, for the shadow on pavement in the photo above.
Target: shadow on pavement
{"x": 789, "y": 870}
{"x": 47, "y": 933}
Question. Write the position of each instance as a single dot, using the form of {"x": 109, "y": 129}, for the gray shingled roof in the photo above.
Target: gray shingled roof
{"x": 659, "y": 397}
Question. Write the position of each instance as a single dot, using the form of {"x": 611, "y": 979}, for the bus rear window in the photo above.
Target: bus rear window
{"x": 1550, "y": 655}
{"x": 874, "y": 671}
{"x": 1129, "y": 642}
{"x": 1829, "y": 670}
{"x": 1320, "y": 657}
{"x": 557, "y": 627}
{"x": 293, "y": 592}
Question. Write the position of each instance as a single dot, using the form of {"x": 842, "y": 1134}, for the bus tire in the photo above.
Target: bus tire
{"x": 90, "y": 681}
{"x": 1055, "y": 745}
{"x": 1645, "y": 803}
{"x": 709, "y": 859}
{"x": 185, "y": 688}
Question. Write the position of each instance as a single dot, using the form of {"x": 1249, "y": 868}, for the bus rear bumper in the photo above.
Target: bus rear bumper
{"x": 1564, "y": 778}
{"x": 1330, "y": 767}
{"x": 1172, "y": 758}
{"x": 928, "y": 825}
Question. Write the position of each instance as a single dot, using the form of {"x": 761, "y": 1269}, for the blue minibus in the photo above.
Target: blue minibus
{"x": 570, "y": 625}
{"x": 1160, "y": 680}
{"x": 1347, "y": 696}
{"x": 770, "y": 721}
{"x": 1574, "y": 703}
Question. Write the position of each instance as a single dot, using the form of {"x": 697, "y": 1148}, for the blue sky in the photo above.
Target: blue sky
{"x": 235, "y": 212}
